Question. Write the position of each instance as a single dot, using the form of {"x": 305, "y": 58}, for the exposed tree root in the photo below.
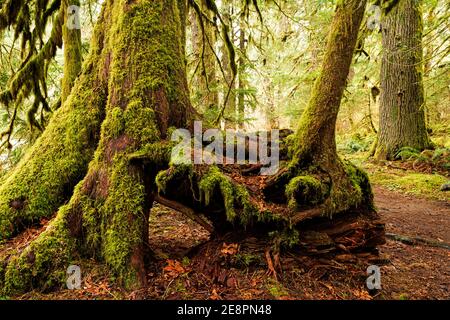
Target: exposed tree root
{"x": 417, "y": 240}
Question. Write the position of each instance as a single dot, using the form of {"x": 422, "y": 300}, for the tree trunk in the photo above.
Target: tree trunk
{"x": 107, "y": 216}
{"x": 242, "y": 70}
{"x": 343, "y": 185}
{"x": 230, "y": 107}
{"x": 72, "y": 51}
{"x": 402, "y": 105}
{"x": 58, "y": 160}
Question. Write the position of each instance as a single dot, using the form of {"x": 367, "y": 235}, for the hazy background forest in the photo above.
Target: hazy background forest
{"x": 278, "y": 61}
{"x": 265, "y": 83}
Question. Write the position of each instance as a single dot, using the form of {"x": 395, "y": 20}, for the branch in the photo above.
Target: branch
{"x": 188, "y": 212}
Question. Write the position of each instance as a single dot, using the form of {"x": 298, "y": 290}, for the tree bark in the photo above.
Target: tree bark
{"x": 58, "y": 160}
{"x": 107, "y": 216}
{"x": 72, "y": 51}
{"x": 402, "y": 105}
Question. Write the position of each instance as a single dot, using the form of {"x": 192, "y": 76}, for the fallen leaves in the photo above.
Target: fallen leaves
{"x": 174, "y": 269}
{"x": 229, "y": 249}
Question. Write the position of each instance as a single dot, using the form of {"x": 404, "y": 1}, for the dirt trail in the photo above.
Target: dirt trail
{"x": 415, "y": 272}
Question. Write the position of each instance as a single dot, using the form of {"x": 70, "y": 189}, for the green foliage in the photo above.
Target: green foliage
{"x": 407, "y": 153}
{"x": 305, "y": 190}
{"x": 419, "y": 184}
{"x": 357, "y": 143}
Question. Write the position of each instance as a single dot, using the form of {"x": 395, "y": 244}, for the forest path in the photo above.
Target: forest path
{"x": 414, "y": 271}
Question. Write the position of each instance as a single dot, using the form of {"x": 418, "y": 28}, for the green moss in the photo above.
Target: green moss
{"x": 43, "y": 263}
{"x": 124, "y": 220}
{"x": 171, "y": 174}
{"x": 236, "y": 198}
{"x": 419, "y": 184}
{"x": 305, "y": 190}
{"x": 44, "y": 177}
{"x": 114, "y": 124}
{"x": 287, "y": 238}
{"x": 216, "y": 179}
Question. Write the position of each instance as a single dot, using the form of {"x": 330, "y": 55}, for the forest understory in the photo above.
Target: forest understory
{"x": 189, "y": 266}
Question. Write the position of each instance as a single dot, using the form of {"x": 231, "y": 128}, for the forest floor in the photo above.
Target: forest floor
{"x": 224, "y": 270}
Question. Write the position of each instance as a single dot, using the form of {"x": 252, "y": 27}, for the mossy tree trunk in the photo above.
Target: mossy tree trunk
{"x": 342, "y": 186}
{"x": 107, "y": 216}
{"x": 47, "y": 174}
{"x": 402, "y": 104}
{"x": 72, "y": 51}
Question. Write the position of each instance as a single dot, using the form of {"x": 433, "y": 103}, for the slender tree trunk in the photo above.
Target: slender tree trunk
{"x": 230, "y": 108}
{"x": 344, "y": 186}
{"x": 402, "y": 104}
{"x": 72, "y": 51}
{"x": 204, "y": 82}
{"x": 242, "y": 73}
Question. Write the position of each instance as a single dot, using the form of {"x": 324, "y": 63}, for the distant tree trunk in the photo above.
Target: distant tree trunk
{"x": 428, "y": 58}
{"x": 230, "y": 108}
{"x": 72, "y": 51}
{"x": 242, "y": 73}
{"x": 204, "y": 82}
{"x": 402, "y": 104}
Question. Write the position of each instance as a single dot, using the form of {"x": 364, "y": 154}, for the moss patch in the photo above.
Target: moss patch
{"x": 305, "y": 190}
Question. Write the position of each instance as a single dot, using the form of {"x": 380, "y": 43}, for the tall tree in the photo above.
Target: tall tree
{"x": 315, "y": 146}
{"x": 137, "y": 57}
{"x": 402, "y": 104}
